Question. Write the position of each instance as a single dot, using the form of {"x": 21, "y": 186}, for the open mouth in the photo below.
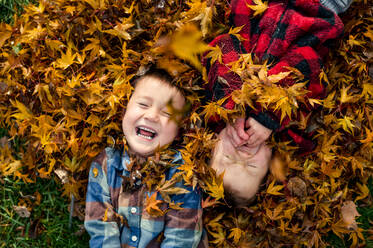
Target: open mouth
{"x": 146, "y": 132}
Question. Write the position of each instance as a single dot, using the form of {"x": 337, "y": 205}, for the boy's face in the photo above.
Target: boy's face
{"x": 146, "y": 123}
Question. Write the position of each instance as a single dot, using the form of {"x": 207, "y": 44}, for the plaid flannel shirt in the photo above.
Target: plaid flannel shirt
{"x": 127, "y": 222}
{"x": 290, "y": 33}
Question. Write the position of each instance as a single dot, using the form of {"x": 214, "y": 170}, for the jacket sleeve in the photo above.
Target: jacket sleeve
{"x": 290, "y": 33}
{"x": 99, "y": 214}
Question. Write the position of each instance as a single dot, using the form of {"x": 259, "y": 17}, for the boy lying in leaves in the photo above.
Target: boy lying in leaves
{"x": 288, "y": 34}
{"x": 123, "y": 208}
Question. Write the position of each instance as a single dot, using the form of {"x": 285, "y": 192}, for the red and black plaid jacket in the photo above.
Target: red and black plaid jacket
{"x": 294, "y": 33}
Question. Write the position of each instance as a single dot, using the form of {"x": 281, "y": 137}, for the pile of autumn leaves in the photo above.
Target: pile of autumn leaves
{"x": 64, "y": 80}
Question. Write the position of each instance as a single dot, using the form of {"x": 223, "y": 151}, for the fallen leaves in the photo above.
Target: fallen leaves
{"x": 66, "y": 68}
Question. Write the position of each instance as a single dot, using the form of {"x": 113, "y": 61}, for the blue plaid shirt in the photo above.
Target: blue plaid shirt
{"x": 116, "y": 218}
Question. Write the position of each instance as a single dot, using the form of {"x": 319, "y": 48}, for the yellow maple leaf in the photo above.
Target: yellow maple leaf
{"x": 97, "y": 4}
{"x": 37, "y": 9}
{"x": 236, "y": 234}
{"x": 152, "y": 205}
{"x": 353, "y": 42}
{"x": 23, "y": 112}
{"x": 120, "y": 30}
{"x": 187, "y": 44}
{"x": 367, "y": 90}
{"x": 274, "y": 190}
{"x": 215, "y": 54}
{"x": 363, "y": 193}
{"x": 216, "y": 187}
{"x": 236, "y": 32}
{"x": 259, "y": 7}
{"x": 5, "y": 33}
{"x": 346, "y": 124}
{"x": 369, "y": 137}
{"x": 345, "y": 97}
{"x": 66, "y": 59}
{"x": 205, "y": 17}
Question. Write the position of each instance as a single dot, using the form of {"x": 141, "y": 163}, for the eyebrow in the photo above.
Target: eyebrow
{"x": 146, "y": 97}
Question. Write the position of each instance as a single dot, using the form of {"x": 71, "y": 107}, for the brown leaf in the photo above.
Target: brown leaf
{"x": 22, "y": 211}
{"x": 278, "y": 167}
{"x": 349, "y": 214}
{"x": 297, "y": 187}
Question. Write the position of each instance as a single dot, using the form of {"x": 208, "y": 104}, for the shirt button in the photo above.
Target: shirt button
{"x": 133, "y": 210}
{"x": 134, "y": 238}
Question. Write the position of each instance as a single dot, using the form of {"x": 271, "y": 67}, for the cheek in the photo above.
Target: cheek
{"x": 172, "y": 130}
{"x": 126, "y": 122}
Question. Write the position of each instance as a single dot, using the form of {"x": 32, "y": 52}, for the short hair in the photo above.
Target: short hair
{"x": 157, "y": 73}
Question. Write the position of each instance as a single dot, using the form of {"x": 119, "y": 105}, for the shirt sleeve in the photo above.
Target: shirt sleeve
{"x": 99, "y": 207}
{"x": 338, "y": 6}
{"x": 183, "y": 228}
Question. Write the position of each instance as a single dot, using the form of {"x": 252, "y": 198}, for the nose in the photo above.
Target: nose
{"x": 152, "y": 114}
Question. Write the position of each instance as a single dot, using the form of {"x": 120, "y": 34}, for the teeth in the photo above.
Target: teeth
{"x": 146, "y": 129}
{"x": 146, "y": 137}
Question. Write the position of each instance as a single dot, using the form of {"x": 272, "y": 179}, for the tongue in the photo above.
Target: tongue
{"x": 145, "y": 133}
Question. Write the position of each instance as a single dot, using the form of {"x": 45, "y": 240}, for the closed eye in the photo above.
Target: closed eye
{"x": 143, "y": 105}
{"x": 167, "y": 114}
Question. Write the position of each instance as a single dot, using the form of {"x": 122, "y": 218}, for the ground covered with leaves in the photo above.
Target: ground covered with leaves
{"x": 65, "y": 74}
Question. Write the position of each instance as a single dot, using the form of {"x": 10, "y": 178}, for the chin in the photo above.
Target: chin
{"x": 137, "y": 150}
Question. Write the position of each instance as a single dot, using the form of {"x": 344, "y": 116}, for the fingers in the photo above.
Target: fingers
{"x": 257, "y": 132}
{"x": 250, "y": 151}
{"x": 239, "y": 125}
{"x": 255, "y": 140}
{"x": 264, "y": 155}
{"x": 233, "y": 136}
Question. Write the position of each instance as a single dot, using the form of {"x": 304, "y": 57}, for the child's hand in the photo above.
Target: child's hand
{"x": 236, "y": 132}
{"x": 244, "y": 167}
{"x": 257, "y": 132}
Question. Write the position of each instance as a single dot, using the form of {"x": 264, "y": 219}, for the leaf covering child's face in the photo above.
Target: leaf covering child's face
{"x": 147, "y": 122}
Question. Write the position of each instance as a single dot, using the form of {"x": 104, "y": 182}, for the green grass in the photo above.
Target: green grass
{"x": 364, "y": 220}
{"x": 48, "y": 224}
{"x": 366, "y": 217}
{"x": 10, "y": 7}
